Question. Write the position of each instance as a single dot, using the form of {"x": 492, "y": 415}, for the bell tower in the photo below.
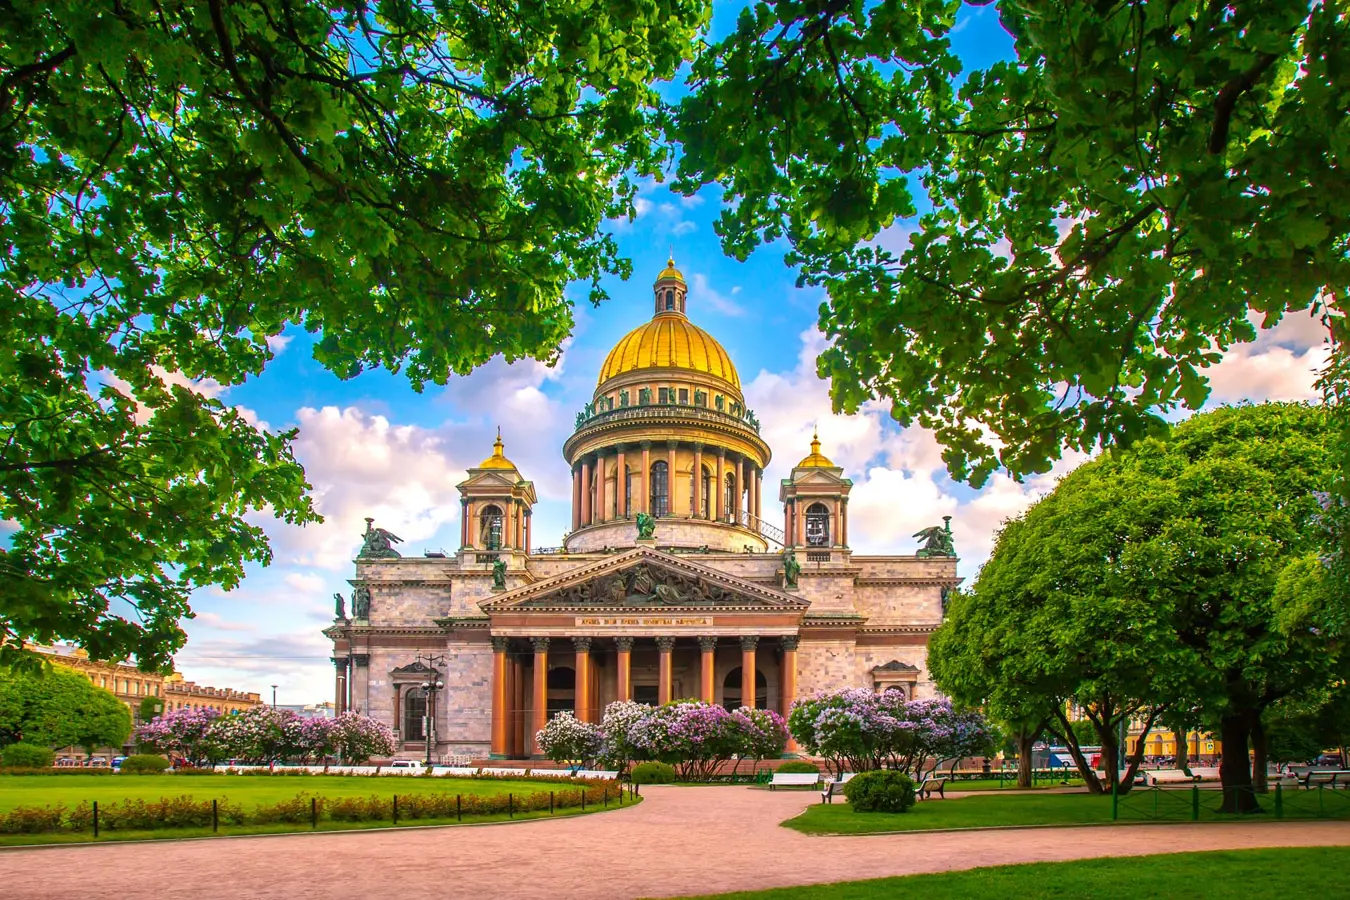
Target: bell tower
{"x": 815, "y": 503}
{"x": 496, "y": 505}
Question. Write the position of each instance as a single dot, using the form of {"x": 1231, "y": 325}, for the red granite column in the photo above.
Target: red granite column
{"x": 540, "y": 710}
{"x": 748, "y": 645}
{"x": 663, "y": 678}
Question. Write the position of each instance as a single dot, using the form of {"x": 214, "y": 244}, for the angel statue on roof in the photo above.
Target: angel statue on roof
{"x": 378, "y": 543}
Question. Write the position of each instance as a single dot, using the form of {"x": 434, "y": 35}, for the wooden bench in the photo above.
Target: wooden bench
{"x": 835, "y": 786}
{"x": 1332, "y": 778}
{"x": 1169, "y": 776}
{"x": 794, "y": 779}
{"x": 934, "y": 784}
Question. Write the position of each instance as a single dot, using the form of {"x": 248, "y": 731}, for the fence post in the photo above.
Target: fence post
{"x": 1279, "y": 801}
{"x": 459, "y": 813}
{"x": 1195, "y": 803}
{"x": 510, "y": 806}
{"x": 313, "y": 812}
{"x": 583, "y": 798}
{"x": 95, "y": 818}
{"x": 215, "y": 817}
{"x": 396, "y": 809}
{"x": 606, "y": 790}
{"x": 550, "y": 803}
{"x": 1115, "y": 803}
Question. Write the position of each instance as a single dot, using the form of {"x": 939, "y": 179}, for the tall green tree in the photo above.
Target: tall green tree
{"x": 58, "y": 707}
{"x": 1150, "y": 579}
{"x": 413, "y": 182}
{"x": 1144, "y": 184}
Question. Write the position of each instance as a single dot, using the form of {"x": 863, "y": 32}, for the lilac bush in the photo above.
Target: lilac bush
{"x": 695, "y": 737}
{"x": 858, "y": 730}
{"x": 616, "y": 725}
{"x": 763, "y": 733}
{"x": 183, "y": 734}
{"x": 356, "y": 738}
{"x": 565, "y": 739}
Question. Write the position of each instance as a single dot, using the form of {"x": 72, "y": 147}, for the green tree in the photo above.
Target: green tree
{"x": 414, "y": 183}
{"x": 58, "y": 707}
{"x": 1153, "y": 576}
{"x": 1106, "y": 213}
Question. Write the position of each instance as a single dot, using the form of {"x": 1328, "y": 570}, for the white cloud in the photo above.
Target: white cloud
{"x": 684, "y": 228}
{"x": 277, "y": 343}
{"x": 1281, "y": 364}
{"x": 703, "y": 295}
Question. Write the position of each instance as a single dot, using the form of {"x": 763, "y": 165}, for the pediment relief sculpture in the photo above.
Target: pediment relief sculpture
{"x": 643, "y": 585}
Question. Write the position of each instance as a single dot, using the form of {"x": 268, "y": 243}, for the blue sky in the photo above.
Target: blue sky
{"x": 374, "y": 447}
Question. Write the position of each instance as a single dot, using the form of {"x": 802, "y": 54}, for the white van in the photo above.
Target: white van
{"x": 406, "y": 764}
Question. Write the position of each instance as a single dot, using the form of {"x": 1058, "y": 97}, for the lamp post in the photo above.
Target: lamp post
{"x": 274, "y": 696}
{"x": 430, "y": 688}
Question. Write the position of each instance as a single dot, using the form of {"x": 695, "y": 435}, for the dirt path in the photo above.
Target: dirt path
{"x": 680, "y": 841}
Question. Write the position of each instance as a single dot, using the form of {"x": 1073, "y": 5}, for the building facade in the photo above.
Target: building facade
{"x": 677, "y": 579}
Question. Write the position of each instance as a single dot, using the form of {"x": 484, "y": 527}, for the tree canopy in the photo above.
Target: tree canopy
{"x": 1152, "y": 581}
{"x": 1102, "y": 216}
{"x": 58, "y": 707}
{"x": 415, "y": 183}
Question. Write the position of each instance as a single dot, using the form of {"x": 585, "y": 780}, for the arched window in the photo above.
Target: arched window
{"x": 670, "y": 298}
{"x": 562, "y": 690}
{"x": 490, "y": 527}
{"x": 705, "y": 497}
{"x": 660, "y": 494}
{"x": 415, "y": 715}
{"x": 729, "y": 497}
{"x": 818, "y": 525}
{"x": 731, "y": 690}
{"x": 628, "y": 492}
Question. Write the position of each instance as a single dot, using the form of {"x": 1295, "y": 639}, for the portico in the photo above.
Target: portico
{"x": 643, "y": 625}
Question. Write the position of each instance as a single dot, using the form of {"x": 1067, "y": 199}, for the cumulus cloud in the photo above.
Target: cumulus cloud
{"x": 703, "y": 295}
{"x": 1281, "y": 364}
{"x": 297, "y": 662}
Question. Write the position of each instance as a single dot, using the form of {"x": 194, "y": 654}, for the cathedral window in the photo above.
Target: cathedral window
{"x": 490, "y": 524}
{"x": 707, "y": 483}
{"x": 415, "y": 715}
{"x": 729, "y": 497}
{"x": 663, "y": 395}
{"x": 628, "y": 493}
{"x": 670, "y": 298}
{"x": 818, "y": 525}
{"x": 731, "y": 690}
{"x": 684, "y": 396}
{"x": 660, "y": 495}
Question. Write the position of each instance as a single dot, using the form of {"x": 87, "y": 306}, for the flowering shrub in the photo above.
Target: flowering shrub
{"x": 356, "y": 738}
{"x": 859, "y": 730}
{"x": 695, "y": 737}
{"x": 565, "y": 739}
{"x": 617, "y": 723}
{"x": 182, "y": 733}
{"x": 763, "y": 732}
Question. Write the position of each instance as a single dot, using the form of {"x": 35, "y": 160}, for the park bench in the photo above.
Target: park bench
{"x": 1330, "y": 777}
{"x": 934, "y": 784}
{"x": 1169, "y": 776}
{"x": 794, "y": 779}
{"x": 836, "y": 786}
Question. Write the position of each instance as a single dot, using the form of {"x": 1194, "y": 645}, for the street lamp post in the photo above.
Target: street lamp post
{"x": 430, "y": 688}
{"x": 274, "y": 696}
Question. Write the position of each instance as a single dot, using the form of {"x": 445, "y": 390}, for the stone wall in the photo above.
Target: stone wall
{"x": 826, "y": 665}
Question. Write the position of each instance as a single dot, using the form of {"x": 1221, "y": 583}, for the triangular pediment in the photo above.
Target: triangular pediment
{"x": 896, "y": 665}
{"x": 505, "y": 478}
{"x": 819, "y": 476}
{"x": 416, "y": 667}
{"x": 644, "y": 578}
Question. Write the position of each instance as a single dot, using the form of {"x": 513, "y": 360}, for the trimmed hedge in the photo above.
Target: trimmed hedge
{"x": 799, "y": 767}
{"x": 652, "y": 773}
{"x": 189, "y": 812}
{"x": 59, "y": 770}
{"x": 27, "y": 756}
{"x": 880, "y": 791}
{"x": 144, "y": 764}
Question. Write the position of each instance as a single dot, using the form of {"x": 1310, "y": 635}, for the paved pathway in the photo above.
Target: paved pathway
{"x": 680, "y": 841}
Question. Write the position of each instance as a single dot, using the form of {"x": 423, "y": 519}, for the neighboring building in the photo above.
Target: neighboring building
{"x": 324, "y": 710}
{"x": 717, "y": 603}
{"x": 130, "y": 685}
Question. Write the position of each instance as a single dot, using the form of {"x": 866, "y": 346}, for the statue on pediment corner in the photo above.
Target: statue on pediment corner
{"x": 377, "y": 543}
{"x": 937, "y": 540}
{"x": 339, "y": 607}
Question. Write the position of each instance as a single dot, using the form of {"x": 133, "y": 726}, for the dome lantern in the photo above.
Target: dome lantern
{"x": 669, "y": 291}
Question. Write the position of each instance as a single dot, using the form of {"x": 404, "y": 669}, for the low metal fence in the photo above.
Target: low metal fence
{"x": 1195, "y": 803}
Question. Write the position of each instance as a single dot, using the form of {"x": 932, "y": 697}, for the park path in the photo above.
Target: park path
{"x": 680, "y": 841}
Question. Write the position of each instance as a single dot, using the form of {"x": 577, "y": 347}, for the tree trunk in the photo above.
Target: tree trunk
{"x": 1024, "y": 742}
{"x": 1183, "y": 750}
{"x": 1259, "y": 754}
{"x": 1094, "y": 784}
{"x": 1235, "y": 770}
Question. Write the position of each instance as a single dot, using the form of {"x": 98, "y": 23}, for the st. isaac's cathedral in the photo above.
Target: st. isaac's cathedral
{"x": 677, "y": 578}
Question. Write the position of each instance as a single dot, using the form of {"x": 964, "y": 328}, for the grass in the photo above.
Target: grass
{"x": 251, "y": 791}
{"x": 1295, "y": 873}
{"x": 247, "y": 790}
{"x": 967, "y": 812}
{"x": 1007, "y": 784}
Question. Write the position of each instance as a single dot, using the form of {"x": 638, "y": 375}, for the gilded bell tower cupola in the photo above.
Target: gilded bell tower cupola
{"x": 496, "y": 505}
{"x": 669, "y": 291}
{"x": 815, "y": 502}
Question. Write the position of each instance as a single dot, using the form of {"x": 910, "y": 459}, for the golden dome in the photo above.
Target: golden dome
{"x": 498, "y": 459}
{"x": 669, "y": 341}
{"x": 816, "y": 460}
{"x": 671, "y": 272}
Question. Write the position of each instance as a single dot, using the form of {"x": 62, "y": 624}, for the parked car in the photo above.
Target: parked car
{"x": 117, "y": 762}
{"x": 96, "y": 762}
{"x": 407, "y": 764}
{"x": 1328, "y": 759}
{"x": 66, "y": 761}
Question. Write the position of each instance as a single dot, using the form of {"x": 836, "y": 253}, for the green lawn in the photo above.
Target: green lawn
{"x": 1299, "y": 873}
{"x": 966, "y": 812}
{"x": 246, "y": 790}
{"x": 1007, "y": 784}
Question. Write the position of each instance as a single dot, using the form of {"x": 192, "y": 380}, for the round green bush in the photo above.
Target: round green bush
{"x": 27, "y": 756}
{"x": 799, "y": 767}
{"x": 880, "y": 791}
{"x": 652, "y": 773}
{"x": 144, "y": 764}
